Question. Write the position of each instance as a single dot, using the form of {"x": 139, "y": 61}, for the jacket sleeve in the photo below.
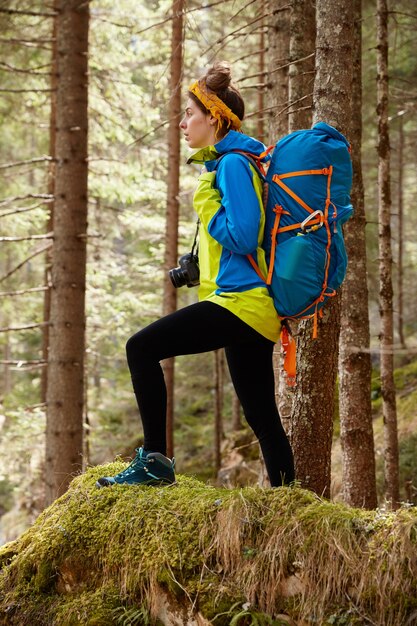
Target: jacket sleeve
{"x": 227, "y": 205}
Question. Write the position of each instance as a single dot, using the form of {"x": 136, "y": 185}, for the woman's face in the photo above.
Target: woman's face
{"x": 199, "y": 128}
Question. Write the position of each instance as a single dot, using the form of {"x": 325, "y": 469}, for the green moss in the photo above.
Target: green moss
{"x": 97, "y": 553}
{"x": 92, "y": 608}
{"x": 406, "y": 376}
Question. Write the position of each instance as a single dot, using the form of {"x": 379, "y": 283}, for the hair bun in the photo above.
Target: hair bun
{"x": 218, "y": 77}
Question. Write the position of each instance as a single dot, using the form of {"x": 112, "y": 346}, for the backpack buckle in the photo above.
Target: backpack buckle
{"x": 311, "y": 217}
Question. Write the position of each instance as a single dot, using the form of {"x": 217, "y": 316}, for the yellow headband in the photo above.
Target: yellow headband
{"x": 217, "y": 107}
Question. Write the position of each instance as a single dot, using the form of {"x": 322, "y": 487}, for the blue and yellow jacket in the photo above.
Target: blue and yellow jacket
{"x": 228, "y": 201}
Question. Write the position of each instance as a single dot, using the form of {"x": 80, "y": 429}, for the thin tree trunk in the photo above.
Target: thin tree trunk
{"x": 389, "y": 408}
{"x": 356, "y": 433}
{"x": 261, "y": 90}
{"x": 51, "y": 192}
{"x": 65, "y": 393}
{"x": 313, "y": 409}
{"x": 236, "y": 413}
{"x": 172, "y": 215}
{"x": 218, "y": 363}
{"x": 301, "y": 73}
{"x": 283, "y": 393}
{"x": 400, "y": 258}
{"x": 300, "y": 85}
{"x": 278, "y": 55}
{"x": 7, "y": 374}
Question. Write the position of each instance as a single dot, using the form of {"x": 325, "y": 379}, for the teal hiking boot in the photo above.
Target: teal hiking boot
{"x": 147, "y": 468}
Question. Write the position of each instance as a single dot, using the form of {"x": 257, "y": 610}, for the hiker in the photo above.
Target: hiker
{"x": 235, "y": 310}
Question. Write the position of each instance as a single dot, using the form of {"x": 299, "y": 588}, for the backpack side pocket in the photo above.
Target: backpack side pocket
{"x": 298, "y": 274}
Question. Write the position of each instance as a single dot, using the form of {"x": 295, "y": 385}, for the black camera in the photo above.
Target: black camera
{"x": 188, "y": 272}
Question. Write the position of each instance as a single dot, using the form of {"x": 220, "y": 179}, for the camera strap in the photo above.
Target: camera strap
{"x": 194, "y": 247}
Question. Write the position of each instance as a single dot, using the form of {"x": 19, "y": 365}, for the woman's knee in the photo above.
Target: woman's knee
{"x": 135, "y": 346}
{"x": 144, "y": 346}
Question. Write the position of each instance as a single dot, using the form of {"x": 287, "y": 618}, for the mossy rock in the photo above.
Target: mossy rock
{"x": 132, "y": 555}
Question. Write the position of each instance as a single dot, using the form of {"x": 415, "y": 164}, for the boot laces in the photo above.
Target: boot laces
{"x": 138, "y": 463}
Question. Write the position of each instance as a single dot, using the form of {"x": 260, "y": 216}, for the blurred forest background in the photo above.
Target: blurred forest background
{"x": 129, "y": 94}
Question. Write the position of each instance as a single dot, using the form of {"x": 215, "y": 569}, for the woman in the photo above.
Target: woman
{"x": 234, "y": 310}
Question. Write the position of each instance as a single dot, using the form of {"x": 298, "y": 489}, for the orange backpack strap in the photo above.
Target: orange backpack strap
{"x": 289, "y": 348}
{"x": 278, "y": 210}
{"x": 256, "y": 267}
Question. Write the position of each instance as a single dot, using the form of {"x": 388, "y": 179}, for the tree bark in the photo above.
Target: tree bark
{"x": 261, "y": 90}
{"x": 301, "y": 72}
{"x": 218, "y": 363}
{"x": 64, "y": 416}
{"x": 172, "y": 214}
{"x": 51, "y": 192}
{"x": 313, "y": 409}
{"x": 400, "y": 258}
{"x": 356, "y": 432}
{"x": 389, "y": 409}
{"x": 300, "y": 85}
{"x": 7, "y": 374}
{"x": 236, "y": 412}
{"x": 278, "y": 56}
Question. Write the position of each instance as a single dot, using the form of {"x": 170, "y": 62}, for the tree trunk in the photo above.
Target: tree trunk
{"x": 51, "y": 192}
{"x": 301, "y": 70}
{"x": 218, "y": 406}
{"x": 7, "y": 374}
{"x": 278, "y": 55}
{"x": 236, "y": 412}
{"x": 64, "y": 416}
{"x": 300, "y": 85}
{"x": 356, "y": 433}
{"x": 400, "y": 258}
{"x": 389, "y": 409}
{"x": 312, "y": 417}
{"x": 283, "y": 393}
{"x": 261, "y": 90}
{"x": 172, "y": 214}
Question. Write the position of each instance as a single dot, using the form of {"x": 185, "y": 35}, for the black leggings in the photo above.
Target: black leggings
{"x": 204, "y": 327}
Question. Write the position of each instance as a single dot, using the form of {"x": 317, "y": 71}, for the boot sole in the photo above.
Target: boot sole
{"x": 159, "y": 483}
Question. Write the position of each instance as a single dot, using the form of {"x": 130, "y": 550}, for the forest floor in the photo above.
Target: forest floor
{"x": 406, "y": 386}
{"x": 198, "y": 555}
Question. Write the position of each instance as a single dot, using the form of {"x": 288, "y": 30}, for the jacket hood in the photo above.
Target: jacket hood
{"x": 232, "y": 141}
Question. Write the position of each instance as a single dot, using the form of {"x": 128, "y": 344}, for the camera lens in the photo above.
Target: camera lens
{"x": 177, "y": 277}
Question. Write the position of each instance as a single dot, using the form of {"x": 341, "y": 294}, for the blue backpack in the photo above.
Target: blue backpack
{"x": 307, "y": 200}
